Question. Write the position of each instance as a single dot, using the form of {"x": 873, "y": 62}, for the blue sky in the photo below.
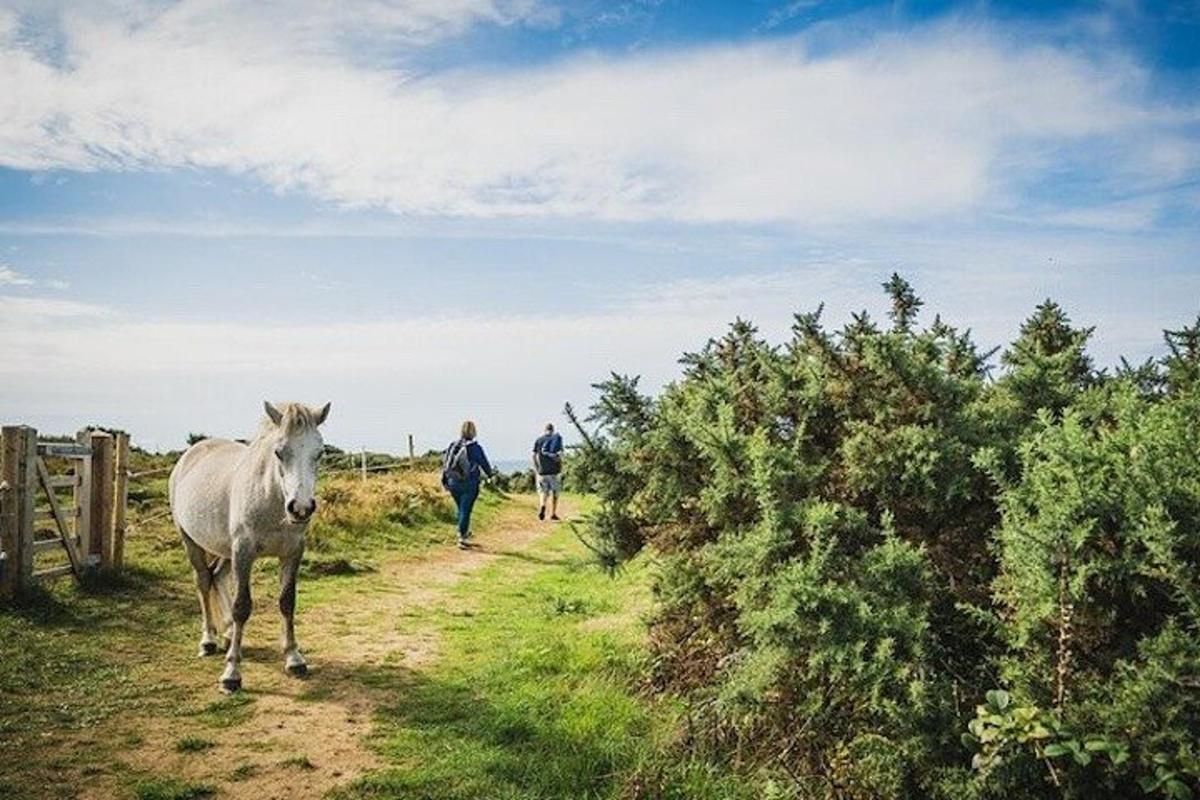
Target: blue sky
{"x": 424, "y": 210}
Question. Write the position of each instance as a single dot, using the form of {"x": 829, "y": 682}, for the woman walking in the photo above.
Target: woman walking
{"x": 462, "y": 469}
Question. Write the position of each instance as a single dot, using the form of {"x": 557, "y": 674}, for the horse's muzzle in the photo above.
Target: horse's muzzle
{"x": 300, "y": 515}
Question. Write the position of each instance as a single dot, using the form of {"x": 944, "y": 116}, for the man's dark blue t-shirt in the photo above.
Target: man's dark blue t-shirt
{"x": 548, "y": 452}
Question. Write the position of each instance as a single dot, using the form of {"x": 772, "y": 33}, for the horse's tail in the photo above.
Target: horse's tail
{"x": 222, "y": 590}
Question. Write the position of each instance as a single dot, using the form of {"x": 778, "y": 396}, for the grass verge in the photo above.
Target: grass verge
{"x": 534, "y": 695}
{"x": 120, "y": 648}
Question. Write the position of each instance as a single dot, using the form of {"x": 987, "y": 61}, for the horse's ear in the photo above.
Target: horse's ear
{"x": 323, "y": 414}
{"x": 272, "y": 412}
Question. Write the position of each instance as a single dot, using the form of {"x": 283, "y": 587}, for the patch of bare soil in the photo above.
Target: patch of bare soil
{"x": 289, "y": 738}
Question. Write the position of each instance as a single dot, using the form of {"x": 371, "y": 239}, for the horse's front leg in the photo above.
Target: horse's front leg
{"x": 289, "y": 566}
{"x": 243, "y": 561}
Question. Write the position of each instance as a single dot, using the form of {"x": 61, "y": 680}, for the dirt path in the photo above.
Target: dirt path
{"x": 287, "y": 738}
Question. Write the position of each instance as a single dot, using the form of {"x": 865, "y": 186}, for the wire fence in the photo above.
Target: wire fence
{"x": 370, "y": 467}
{"x": 142, "y": 523}
{"x": 147, "y": 520}
{"x": 327, "y": 470}
{"x": 133, "y": 476}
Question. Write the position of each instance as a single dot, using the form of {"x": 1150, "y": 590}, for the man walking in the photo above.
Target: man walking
{"x": 547, "y": 467}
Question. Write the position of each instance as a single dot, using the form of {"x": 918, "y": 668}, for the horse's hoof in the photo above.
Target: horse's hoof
{"x": 231, "y": 685}
{"x": 208, "y": 649}
{"x": 297, "y": 670}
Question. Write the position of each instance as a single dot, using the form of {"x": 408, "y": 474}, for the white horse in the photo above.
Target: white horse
{"x": 233, "y": 502}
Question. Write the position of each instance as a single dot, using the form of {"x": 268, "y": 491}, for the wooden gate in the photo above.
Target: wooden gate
{"x": 61, "y": 505}
{"x": 70, "y": 528}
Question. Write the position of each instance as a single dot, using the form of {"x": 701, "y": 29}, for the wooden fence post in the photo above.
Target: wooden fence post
{"x": 16, "y": 518}
{"x": 363, "y": 464}
{"x": 103, "y": 484}
{"x": 8, "y": 534}
{"x": 26, "y": 505}
{"x": 412, "y": 453}
{"x": 84, "y": 527}
{"x": 120, "y": 500}
{"x": 13, "y": 519}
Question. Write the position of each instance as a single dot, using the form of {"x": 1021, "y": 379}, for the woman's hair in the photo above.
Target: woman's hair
{"x": 468, "y": 430}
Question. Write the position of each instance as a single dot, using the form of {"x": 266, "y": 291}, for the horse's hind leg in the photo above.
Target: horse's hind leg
{"x": 204, "y": 580}
{"x": 293, "y": 662}
{"x": 224, "y": 587}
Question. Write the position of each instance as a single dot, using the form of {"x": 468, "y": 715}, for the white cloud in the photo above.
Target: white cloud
{"x": 423, "y": 374}
{"x": 315, "y": 26}
{"x": 788, "y": 11}
{"x": 387, "y": 379}
{"x": 954, "y": 120}
{"x": 1130, "y": 215}
{"x": 18, "y": 312}
{"x": 10, "y": 277}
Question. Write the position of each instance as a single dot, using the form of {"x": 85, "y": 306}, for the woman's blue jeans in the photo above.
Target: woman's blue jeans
{"x": 464, "y": 493}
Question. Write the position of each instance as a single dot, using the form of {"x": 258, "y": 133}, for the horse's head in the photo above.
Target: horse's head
{"x": 298, "y": 446}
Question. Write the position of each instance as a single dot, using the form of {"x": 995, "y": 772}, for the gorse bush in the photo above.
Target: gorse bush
{"x": 1099, "y": 592}
{"x": 885, "y": 574}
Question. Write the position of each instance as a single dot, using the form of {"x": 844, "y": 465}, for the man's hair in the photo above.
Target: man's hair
{"x": 468, "y": 430}
{"x": 549, "y": 427}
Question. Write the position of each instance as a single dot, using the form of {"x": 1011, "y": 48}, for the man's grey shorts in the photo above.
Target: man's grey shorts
{"x": 548, "y": 484}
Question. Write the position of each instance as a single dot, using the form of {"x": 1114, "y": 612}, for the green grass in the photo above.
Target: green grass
{"x": 171, "y": 789}
{"x": 193, "y": 744}
{"x": 297, "y": 762}
{"x": 243, "y": 772}
{"x": 73, "y": 656}
{"x": 360, "y": 521}
{"x": 228, "y": 711}
{"x": 535, "y": 695}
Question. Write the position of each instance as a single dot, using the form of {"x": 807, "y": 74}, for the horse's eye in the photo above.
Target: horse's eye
{"x": 280, "y": 453}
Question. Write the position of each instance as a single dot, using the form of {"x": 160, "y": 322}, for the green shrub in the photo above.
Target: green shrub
{"x": 1098, "y": 588}
{"x": 861, "y": 534}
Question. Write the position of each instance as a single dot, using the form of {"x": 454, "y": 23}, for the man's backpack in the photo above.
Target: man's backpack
{"x": 549, "y": 462}
{"x": 456, "y": 466}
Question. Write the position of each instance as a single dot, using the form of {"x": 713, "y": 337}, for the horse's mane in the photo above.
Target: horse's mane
{"x": 297, "y": 417}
